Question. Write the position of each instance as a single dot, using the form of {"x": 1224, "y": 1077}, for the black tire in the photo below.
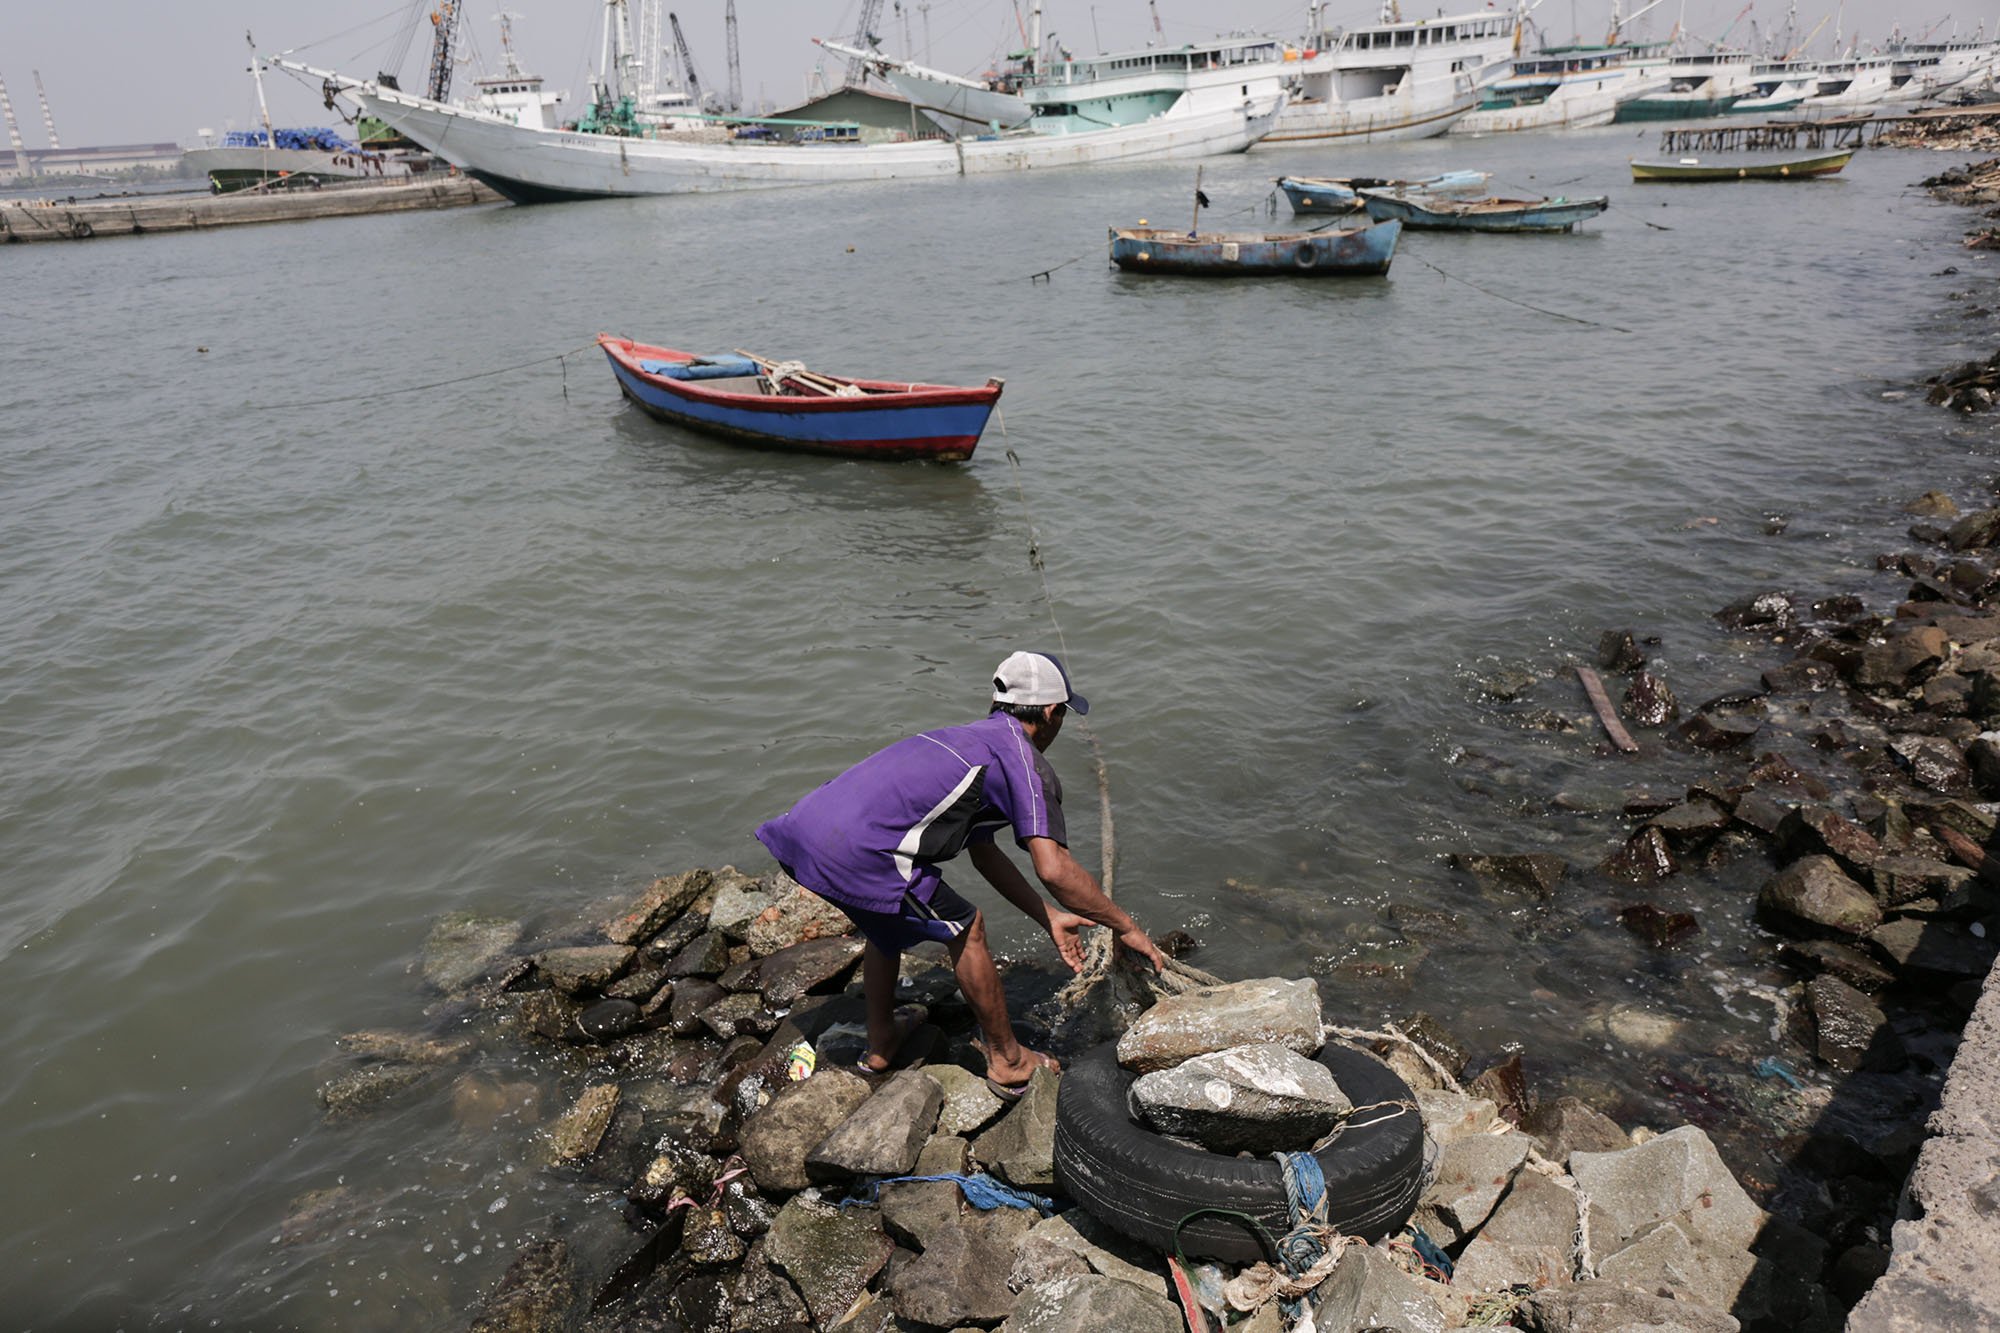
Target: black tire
{"x": 1307, "y": 257}
{"x": 1143, "y": 1185}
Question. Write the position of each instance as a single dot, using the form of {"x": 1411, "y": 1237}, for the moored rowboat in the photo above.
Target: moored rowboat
{"x": 1339, "y": 194}
{"x": 1802, "y": 167}
{"x": 751, "y": 401}
{"x": 1353, "y": 252}
{"x": 1418, "y": 209}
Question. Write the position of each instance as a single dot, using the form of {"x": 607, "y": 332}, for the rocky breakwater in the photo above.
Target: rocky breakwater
{"x": 694, "y": 1055}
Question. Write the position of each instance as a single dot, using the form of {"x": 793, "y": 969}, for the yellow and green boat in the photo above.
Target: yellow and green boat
{"x": 1763, "y": 168}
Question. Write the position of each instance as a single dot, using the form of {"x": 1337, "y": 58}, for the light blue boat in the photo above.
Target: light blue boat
{"x": 1422, "y": 210}
{"x": 1309, "y": 194}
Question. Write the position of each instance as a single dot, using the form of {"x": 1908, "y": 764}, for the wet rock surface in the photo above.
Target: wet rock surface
{"x": 1257, "y": 1099}
{"x": 1216, "y": 1018}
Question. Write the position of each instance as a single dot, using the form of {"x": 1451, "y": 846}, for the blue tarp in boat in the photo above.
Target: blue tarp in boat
{"x": 707, "y": 368}
{"x": 325, "y": 140}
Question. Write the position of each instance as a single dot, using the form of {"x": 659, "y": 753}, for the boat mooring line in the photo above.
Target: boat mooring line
{"x": 1043, "y": 276}
{"x": 1540, "y": 310}
{"x": 1107, "y": 835}
{"x": 562, "y": 359}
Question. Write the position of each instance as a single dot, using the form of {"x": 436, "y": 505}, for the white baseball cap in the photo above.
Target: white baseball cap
{"x": 1035, "y": 678}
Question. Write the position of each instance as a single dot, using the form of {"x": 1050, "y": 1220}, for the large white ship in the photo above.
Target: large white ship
{"x": 1394, "y": 79}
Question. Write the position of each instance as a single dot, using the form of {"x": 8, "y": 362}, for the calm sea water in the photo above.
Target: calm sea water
{"x": 292, "y": 663}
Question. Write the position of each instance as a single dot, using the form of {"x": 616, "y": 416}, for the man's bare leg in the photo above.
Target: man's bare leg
{"x": 1007, "y": 1060}
{"x": 879, "y": 971}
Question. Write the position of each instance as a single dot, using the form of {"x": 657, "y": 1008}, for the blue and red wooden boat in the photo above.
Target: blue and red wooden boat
{"x": 748, "y": 400}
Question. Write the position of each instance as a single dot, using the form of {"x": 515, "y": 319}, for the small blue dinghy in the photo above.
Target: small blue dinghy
{"x": 1340, "y": 194}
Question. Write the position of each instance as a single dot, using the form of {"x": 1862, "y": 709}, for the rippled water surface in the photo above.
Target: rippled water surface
{"x": 293, "y": 664}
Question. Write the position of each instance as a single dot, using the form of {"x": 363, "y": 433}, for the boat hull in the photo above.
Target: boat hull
{"x": 1795, "y": 168}
{"x": 1378, "y": 120}
{"x": 1318, "y": 197}
{"x": 1669, "y": 107}
{"x": 891, "y": 423}
{"x": 956, "y": 108}
{"x": 1360, "y": 252}
{"x": 531, "y": 165}
{"x": 231, "y": 169}
{"x": 1540, "y": 215}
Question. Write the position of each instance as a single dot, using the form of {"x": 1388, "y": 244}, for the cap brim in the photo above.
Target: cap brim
{"x": 1077, "y": 702}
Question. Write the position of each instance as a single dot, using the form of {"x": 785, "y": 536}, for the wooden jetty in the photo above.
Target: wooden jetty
{"x": 1833, "y": 132}
{"x": 135, "y": 215}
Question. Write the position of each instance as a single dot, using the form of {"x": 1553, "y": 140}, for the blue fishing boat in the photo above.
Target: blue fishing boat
{"x": 1357, "y": 251}
{"x": 747, "y": 399}
{"x": 1418, "y": 209}
{"x": 1339, "y": 194}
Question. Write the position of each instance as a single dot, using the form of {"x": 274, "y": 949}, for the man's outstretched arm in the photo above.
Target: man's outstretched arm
{"x": 1077, "y": 889}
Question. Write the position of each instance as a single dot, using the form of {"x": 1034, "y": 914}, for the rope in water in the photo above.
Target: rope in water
{"x": 561, "y": 358}
{"x": 1107, "y": 835}
{"x": 1498, "y": 296}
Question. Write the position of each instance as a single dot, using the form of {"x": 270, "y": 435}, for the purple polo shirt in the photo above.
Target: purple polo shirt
{"x": 878, "y": 831}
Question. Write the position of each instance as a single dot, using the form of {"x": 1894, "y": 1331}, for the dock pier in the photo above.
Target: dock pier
{"x": 58, "y": 220}
{"x": 1832, "y": 133}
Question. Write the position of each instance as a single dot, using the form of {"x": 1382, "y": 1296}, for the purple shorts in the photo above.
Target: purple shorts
{"x": 944, "y": 918}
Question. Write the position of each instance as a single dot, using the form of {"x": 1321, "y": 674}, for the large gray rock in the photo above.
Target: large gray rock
{"x": 1472, "y": 1174}
{"x": 355, "y": 1092}
{"x": 654, "y": 909}
{"x": 463, "y": 945}
{"x": 1668, "y": 1259}
{"x": 885, "y": 1134}
{"x": 738, "y": 901}
{"x": 777, "y": 1138}
{"x": 830, "y": 1254}
{"x": 1608, "y": 1307}
{"x": 1568, "y": 1125}
{"x": 764, "y": 1300}
{"x": 1526, "y": 1242}
{"x": 577, "y": 1133}
{"x": 961, "y": 1277}
{"x": 1216, "y": 1018}
{"x": 796, "y": 914}
{"x": 1258, "y": 1099}
{"x": 788, "y": 974}
{"x": 1088, "y": 1301}
{"x": 1944, "y": 948}
{"x": 1677, "y": 1177}
{"x": 1368, "y": 1290}
{"x": 1021, "y": 1148}
{"x": 537, "y": 1293}
{"x": 969, "y": 1105}
{"x": 1850, "y": 1031}
{"x": 1815, "y": 891}
{"x": 1904, "y": 879}
{"x": 1454, "y": 1115}
{"x": 1074, "y": 1243}
{"x": 586, "y": 968}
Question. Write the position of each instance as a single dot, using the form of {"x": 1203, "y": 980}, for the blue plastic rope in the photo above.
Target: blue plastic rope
{"x": 981, "y": 1191}
{"x": 1303, "y": 1246}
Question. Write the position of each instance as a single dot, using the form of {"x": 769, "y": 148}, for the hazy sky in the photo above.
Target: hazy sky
{"x": 123, "y": 72}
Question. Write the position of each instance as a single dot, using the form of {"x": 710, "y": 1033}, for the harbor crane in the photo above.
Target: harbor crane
{"x": 735, "y": 61}
{"x": 444, "y": 25}
{"x": 687, "y": 58}
{"x": 48, "y": 116}
{"x": 865, "y": 38}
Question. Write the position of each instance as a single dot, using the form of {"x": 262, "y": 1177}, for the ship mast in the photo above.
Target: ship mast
{"x": 48, "y": 117}
{"x": 257, "y": 77}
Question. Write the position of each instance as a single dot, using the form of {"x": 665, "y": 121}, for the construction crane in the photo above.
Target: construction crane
{"x": 48, "y": 116}
{"x": 865, "y": 38}
{"x": 687, "y": 58}
{"x": 735, "y": 61}
{"x": 21, "y": 162}
{"x": 444, "y": 31}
